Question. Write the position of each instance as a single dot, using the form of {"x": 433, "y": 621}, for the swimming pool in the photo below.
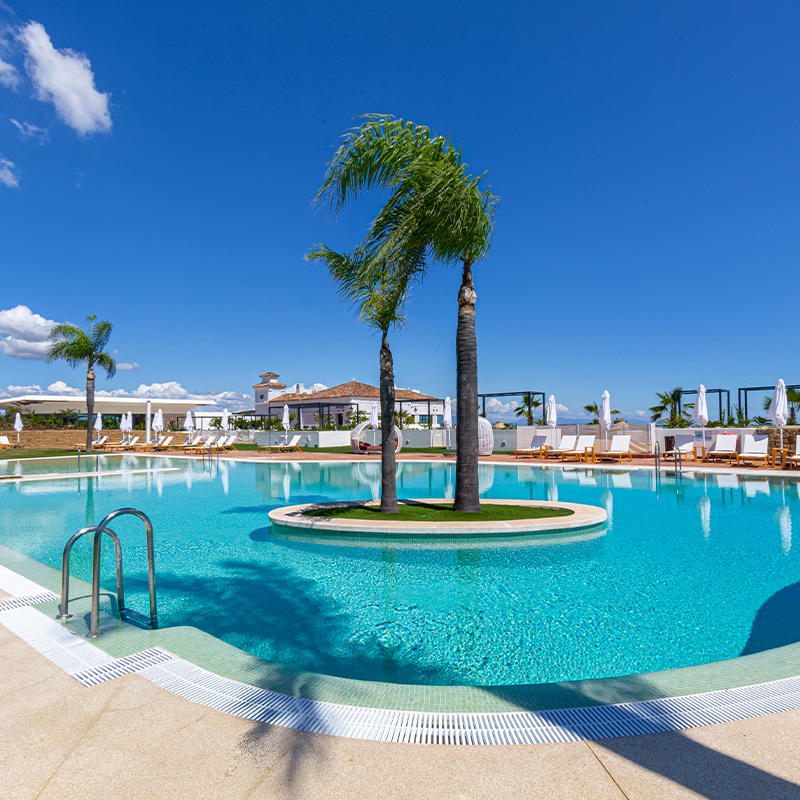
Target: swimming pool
{"x": 689, "y": 571}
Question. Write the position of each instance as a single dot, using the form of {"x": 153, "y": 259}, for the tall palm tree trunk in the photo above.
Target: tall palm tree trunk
{"x": 89, "y": 406}
{"x": 388, "y": 475}
{"x": 466, "y": 493}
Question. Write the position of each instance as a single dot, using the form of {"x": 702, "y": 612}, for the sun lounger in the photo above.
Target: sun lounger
{"x": 754, "y": 448}
{"x": 284, "y": 448}
{"x": 683, "y": 447}
{"x": 129, "y": 445}
{"x": 537, "y": 449}
{"x": 620, "y": 448}
{"x": 724, "y": 447}
{"x": 164, "y": 444}
{"x": 583, "y": 450}
{"x": 567, "y": 443}
{"x": 225, "y": 444}
{"x": 795, "y": 459}
{"x": 206, "y": 447}
{"x": 99, "y": 444}
{"x": 5, "y": 444}
{"x": 189, "y": 443}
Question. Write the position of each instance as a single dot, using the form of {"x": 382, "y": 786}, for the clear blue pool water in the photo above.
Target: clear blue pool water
{"x": 689, "y": 570}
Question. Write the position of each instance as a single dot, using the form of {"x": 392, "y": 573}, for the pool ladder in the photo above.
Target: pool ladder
{"x": 98, "y": 531}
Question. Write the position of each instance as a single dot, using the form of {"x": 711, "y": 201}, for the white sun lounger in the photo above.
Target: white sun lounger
{"x": 683, "y": 447}
{"x": 620, "y": 448}
{"x": 754, "y": 448}
{"x": 724, "y": 447}
{"x": 567, "y": 444}
{"x": 583, "y": 450}
{"x": 795, "y": 459}
{"x": 537, "y": 449}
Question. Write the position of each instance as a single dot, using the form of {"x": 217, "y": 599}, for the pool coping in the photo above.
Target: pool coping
{"x": 769, "y": 675}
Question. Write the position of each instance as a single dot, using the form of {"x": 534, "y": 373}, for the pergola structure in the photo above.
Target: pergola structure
{"x": 743, "y": 392}
{"x": 511, "y": 394}
{"x": 718, "y": 392}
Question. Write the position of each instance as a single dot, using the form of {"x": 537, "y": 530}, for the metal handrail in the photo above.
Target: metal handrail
{"x": 65, "y": 570}
{"x": 94, "y": 631}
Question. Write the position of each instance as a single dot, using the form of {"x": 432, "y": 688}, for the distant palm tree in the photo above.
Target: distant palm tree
{"x": 379, "y": 292}
{"x": 594, "y": 410}
{"x": 529, "y": 402}
{"x": 76, "y": 346}
{"x": 669, "y": 403}
{"x": 439, "y": 210}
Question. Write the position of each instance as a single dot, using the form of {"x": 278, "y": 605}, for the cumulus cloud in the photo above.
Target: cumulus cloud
{"x": 16, "y": 391}
{"x": 64, "y": 78}
{"x": 561, "y": 408}
{"x": 12, "y": 347}
{"x": 20, "y": 321}
{"x": 124, "y": 365}
{"x": 9, "y": 174}
{"x": 27, "y": 130}
{"x": 317, "y": 387}
{"x": 640, "y": 413}
{"x": 59, "y": 387}
{"x": 9, "y": 77}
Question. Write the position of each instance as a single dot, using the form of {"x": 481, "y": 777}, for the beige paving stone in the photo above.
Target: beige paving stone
{"x": 755, "y": 759}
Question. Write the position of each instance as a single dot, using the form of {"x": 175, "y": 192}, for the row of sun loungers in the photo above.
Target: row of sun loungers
{"x": 755, "y": 449}
{"x": 164, "y": 444}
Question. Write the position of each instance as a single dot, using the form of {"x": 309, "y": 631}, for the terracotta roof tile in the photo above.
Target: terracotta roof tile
{"x": 352, "y": 389}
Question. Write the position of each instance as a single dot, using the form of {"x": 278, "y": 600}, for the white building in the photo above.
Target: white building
{"x": 335, "y": 403}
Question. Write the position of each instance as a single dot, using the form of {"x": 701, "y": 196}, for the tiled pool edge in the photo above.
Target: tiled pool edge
{"x": 595, "y": 719}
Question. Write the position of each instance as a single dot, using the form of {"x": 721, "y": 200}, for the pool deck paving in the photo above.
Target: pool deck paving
{"x": 131, "y": 739}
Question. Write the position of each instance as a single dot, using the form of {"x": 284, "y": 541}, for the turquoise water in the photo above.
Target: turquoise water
{"x": 689, "y": 570}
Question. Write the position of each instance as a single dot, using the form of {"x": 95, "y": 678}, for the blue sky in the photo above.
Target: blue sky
{"x": 158, "y": 160}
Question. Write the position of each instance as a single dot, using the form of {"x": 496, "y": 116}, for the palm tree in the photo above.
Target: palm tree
{"x": 379, "y": 292}
{"x": 594, "y": 410}
{"x": 529, "y": 402}
{"x": 436, "y": 209}
{"x": 76, "y": 346}
{"x": 669, "y": 402}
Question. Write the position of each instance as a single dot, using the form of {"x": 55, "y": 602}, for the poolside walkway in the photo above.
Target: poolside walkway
{"x": 129, "y": 738}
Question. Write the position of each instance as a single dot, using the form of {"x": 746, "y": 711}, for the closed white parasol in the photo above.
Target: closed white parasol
{"x": 18, "y": 424}
{"x": 778, "y": 410}
{"x": 447, "y": 418}
{"x": 605, "y": 413}
{"x": 700, "y": 412}
{"x": 98, "y": 425}
{"x": 285, "y": 419}
{"x": 552, "y": 418}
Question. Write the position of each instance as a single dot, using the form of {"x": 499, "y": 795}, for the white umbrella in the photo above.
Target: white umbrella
{"x": 226, "y": 420}
{"x": 552, "y": 417}
{"x": 17, "y": 424}
{"x": 98, "y": 424}
{"x": 285, "y": 419}
{"x": 188, "y": 423}
{"x": 605, "y": 414}
{"x": 700, "y": 413}
{"x": 373, "y": 421}
{"x": 447, "y": 418}
{"x": 778, "y": 410}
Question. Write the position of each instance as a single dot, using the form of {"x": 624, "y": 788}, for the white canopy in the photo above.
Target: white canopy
{"x": 98, "y": 423}
{"x": 285, "y": 420}
{"x": 778, "y": 410}
{"x": 552, "y": 412}
{"x": 605, "y": 413}
{"x": 188, "y": 423}
{"x": 700, "y": 413}
{"x": 373, "y": 417}
{"x": 18, "y": 422}
{"x": 226, "y": 420}
{"x": 447, "y": 418}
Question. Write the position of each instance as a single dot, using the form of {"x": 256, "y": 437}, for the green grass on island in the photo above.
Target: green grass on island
{"x": 436, "y": 512}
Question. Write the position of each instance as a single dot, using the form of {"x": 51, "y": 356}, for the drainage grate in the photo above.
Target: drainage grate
{"x": 29, "y": 600}
{"x": 122, "y": 666}
{"x": 89, "y": 665}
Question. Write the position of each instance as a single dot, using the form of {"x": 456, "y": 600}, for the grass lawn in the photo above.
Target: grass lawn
{"x": 435, "y": 512}
{"x": 34, "y": 452}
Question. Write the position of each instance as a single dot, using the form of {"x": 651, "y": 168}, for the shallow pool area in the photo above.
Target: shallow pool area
{"x": 691, "y": 569}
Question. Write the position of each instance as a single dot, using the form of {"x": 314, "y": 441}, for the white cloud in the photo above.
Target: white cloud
{"x": 20, "y": 321}
{"x": 27, "y": 130}
{"x": 233, "y": 401}
{"x": 9, "y": 77}
{"x": 124, "y": 365}
{"x": 317, "y": 387}
{"x": 11, "y": 347}
{"x": 65, "y": 78}
{"x": 561, "y": 408}
{"x": 9, "y": 174}
{"x": 640, "y": 413}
